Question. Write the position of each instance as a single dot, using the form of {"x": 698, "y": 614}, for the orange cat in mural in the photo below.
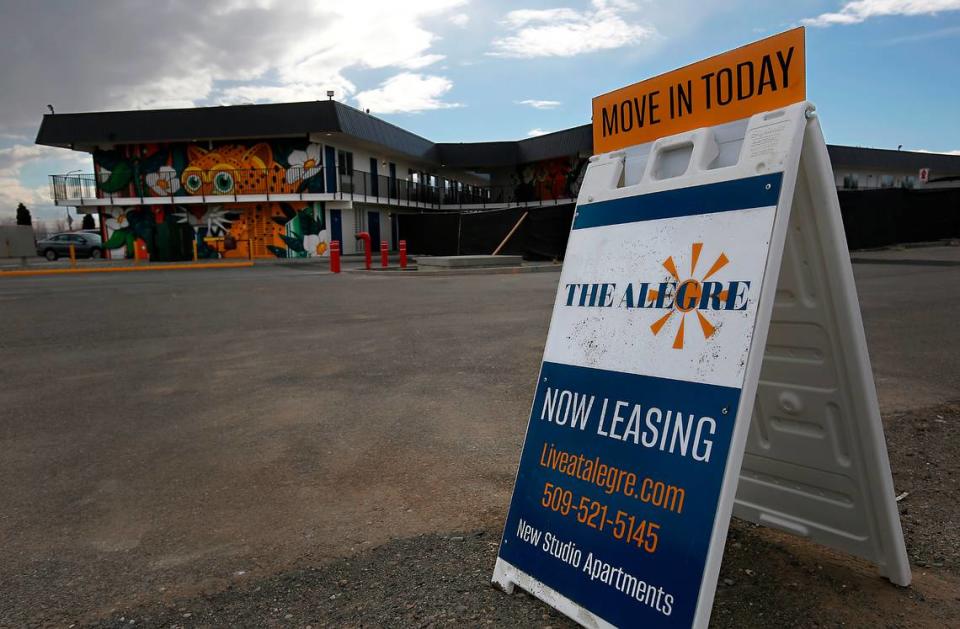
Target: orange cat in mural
{"x": 234, "y": 169}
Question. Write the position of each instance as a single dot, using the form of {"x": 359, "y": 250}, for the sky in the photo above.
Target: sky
{"x": 882, "y": 73}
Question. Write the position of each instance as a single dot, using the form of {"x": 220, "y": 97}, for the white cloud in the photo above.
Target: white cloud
{"x": 407, "y": 92}
{"x": 291, "y": 92}
{"x": 861, "y": 10}
{"x": 539, "y": 104}
{"x": 564, "y": 32}
{"x": 12, "y": 161}
{"x": 460, "y": 19}
{"x": 939, "y": 33}
{"x": 373, "y": 34}
{"x": 956, "y": 152}
{"x": 224, "y": 52}
{"x": 532, "y": 133}
{"x": 231, "y": 51}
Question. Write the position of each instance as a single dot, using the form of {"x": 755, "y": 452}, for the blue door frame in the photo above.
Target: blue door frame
{"x": 336, "y": 227}
{"x": 330, "y": 168}
{"x": 373, "y": 228}
{"x": 374, "y": 179}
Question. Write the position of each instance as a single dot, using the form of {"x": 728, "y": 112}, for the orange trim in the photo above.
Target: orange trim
{"x": 125, "y": 269}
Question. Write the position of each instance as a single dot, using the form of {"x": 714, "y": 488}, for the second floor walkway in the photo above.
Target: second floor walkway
{"x": 253, "y": 186}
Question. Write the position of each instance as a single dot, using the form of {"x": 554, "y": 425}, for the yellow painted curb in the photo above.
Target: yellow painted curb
{"x": 125, "y": 269}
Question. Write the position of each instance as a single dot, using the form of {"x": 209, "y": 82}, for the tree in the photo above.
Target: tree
{"x": 23, "y": 215}
{"x": 88, "y": 222}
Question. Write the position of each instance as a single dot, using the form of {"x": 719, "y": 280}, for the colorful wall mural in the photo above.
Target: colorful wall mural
{"x": 557, "y": 178}
{"x": 168, "y": 232}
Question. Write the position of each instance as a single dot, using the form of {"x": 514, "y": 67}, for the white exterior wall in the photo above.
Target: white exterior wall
{"x": 361, "y": 162}
{"x": 354, "y": 219}
{"x": 354, "y": 215}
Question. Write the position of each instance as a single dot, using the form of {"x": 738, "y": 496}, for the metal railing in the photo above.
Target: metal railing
{"x": 358, "y": 185}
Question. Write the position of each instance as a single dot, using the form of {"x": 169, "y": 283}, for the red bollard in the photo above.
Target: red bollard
{"x": 368, "y": 255}
{"x": 384, "y": 254}
{"x": 335, "y": 256}
{"x": 403, "y": 254}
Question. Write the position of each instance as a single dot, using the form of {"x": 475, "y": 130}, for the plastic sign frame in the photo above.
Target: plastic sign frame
{"x": 652, "y": 422}
{"x": 707, "y": 190}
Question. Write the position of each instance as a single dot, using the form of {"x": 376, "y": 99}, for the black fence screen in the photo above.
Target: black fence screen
{"x": 541, "y": 236}
{"x": 875, "y": 218}
{"x": 871, "y": 218}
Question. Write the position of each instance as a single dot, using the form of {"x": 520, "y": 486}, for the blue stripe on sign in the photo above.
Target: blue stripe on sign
{"x": 738, "y": 194}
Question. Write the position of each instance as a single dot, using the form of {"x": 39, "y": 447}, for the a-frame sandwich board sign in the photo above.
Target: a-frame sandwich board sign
{"x": 705, "y": 356}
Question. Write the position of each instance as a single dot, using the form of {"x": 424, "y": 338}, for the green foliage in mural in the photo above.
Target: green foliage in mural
{"x": 125, "y": 171}
{"x": 300, "y": 225}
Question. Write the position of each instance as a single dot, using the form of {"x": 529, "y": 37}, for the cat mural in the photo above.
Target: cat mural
{"x": 234, "y": 169}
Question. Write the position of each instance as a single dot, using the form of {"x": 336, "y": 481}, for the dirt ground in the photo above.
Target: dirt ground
{"x": 768, "y": 579}
{"x": 203, "y": 447}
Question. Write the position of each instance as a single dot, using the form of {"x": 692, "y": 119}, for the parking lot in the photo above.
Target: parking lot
{"x": 167, "y": 434}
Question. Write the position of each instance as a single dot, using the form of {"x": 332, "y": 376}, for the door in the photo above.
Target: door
{"x": 374, "y": 179}
{"x": 395, "y": 231}
{"x": 330, "y": 167}
{"x": 373, "y": 227}
{"x": 336, "y": 227}
{"x": 393, "y": 180}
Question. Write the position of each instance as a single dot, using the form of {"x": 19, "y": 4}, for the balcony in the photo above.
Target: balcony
{"x": 252, "y": 186}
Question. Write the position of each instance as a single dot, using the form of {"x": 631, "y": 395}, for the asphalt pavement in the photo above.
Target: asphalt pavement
{"x": 171, "y": 432}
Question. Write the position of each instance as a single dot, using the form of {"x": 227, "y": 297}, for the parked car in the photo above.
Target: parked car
{"x": 85, "y": 244}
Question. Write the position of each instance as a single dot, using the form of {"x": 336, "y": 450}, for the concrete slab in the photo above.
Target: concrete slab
{"x": 460, "y": 262}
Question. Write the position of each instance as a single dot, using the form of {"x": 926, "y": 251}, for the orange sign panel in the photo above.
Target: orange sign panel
{"x": 761, "y": 76}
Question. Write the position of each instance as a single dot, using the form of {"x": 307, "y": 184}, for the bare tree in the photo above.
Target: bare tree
{"x": 40, "y": 230}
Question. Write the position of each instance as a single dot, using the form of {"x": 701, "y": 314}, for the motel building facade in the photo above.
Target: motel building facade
{"x": 284, "y": 180}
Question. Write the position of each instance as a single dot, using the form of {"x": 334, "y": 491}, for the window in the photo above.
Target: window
{"x": 909, "y": 181}
{"x": 886, "y": 181}
{"x": 345, "y": 162}
{"x": 850, "y": 182}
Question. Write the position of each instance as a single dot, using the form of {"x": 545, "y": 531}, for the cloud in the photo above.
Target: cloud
{"x": 224, "y": 52}
{"x": 939, "y": 33}
{"x": 564, "y": 32}
{"x": 861, "y": 10}
{"x": 539, "y": 104}
{"x": 13, "y": 190}
{"x": 532, "y": 133}
{"x": 142, "y": 54}
{"x": 956, "y": 152}
{"x": 407, "y": 93}
{"x": 460, "y": 19}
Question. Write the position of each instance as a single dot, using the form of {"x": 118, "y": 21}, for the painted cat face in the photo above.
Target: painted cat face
{"x": 233, "y": 169}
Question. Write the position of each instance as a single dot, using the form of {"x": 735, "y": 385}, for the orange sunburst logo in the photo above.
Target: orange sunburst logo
{"x": 688, "y": 295}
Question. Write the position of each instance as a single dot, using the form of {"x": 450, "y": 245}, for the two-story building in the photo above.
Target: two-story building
{"x": 284, "y": 180}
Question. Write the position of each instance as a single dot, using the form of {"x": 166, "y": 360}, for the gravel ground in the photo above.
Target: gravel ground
{"x": 768, "y": 579}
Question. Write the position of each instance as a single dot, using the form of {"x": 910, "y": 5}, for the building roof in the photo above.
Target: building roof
{"x": 854, "y": 157}
{"x": 85, "y": 131}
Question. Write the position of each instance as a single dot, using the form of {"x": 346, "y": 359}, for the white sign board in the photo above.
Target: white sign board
{"x": 667, "y": 322}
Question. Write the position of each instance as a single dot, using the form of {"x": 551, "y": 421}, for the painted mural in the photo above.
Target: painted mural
{"x": 168, "y": 232}
{"x": 558, "y": 178}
